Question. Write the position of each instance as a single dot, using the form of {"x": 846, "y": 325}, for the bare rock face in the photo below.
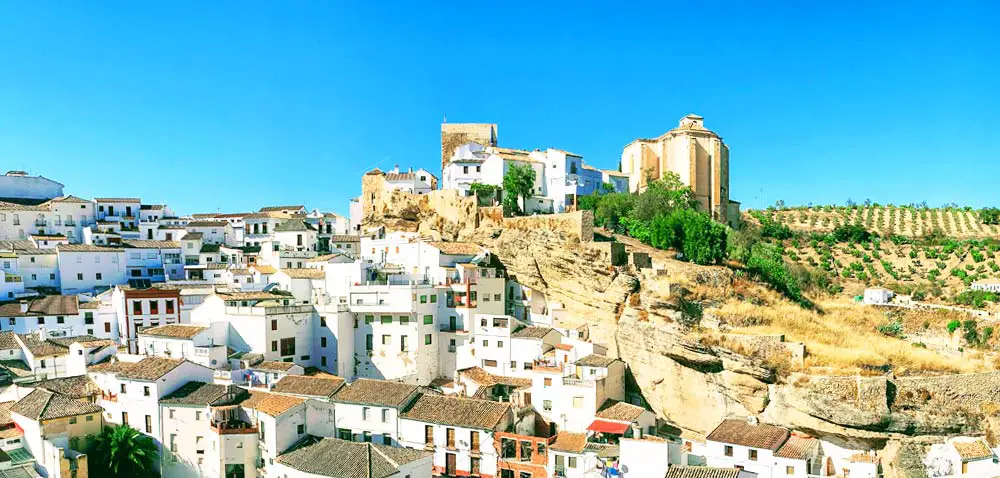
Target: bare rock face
{"x": 690, "y": 385}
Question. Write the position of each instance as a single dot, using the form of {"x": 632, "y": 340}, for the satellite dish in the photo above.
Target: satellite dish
{"x": 624, "y": 468}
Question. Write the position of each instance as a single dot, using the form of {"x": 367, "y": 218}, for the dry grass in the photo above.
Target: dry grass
{"x": 842, "y": 338}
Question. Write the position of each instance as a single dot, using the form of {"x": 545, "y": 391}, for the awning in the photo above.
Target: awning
{"x": 604, "y": 426}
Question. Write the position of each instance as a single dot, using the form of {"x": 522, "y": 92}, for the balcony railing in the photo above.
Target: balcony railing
{"x": 233, "y": 427}
{"x": 40, "y": 222}
{"x": 69, "y": 223}
{"x": 110, "y": 397}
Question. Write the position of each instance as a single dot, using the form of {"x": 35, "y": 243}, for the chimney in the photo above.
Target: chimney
{"x": 43, "y": 335}
{"x": 395, "y": 168}
{"x": 410, "y": 169}
{"x": 753, "y": 421}
{"x": 24, "y": 307}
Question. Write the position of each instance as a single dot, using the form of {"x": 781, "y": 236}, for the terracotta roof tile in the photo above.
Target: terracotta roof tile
{"x": 44, "y": 405}
{"x": 271, "y": 403}
{"x": 680, "y": 471}
{"x": 79, "y": 386}
{"x": 117, "y": 200}
{"x": 309, "y": 386}
{"x": 274, "y": 366}
{"x": 570, "y": 442}
{"x": 297, "y": 207}
{"x": 619, "y": 411}
{"x": 797, "y": 447}
{"x": 47, "y": 306}
{"x": 972, "y": 450}
{"x": 456, "y": 248}
{"x": 485, "y": 379}
{"x": 208, "y": 394}
{"x": 344, "y": 459}
{"x": 459, "y": 412}
{"x": 304, "y": 273}
{"x": 594, "y": 360}
{"x": 145, "y": 244}
{"x": 181, "y": 331}
{"x": 147, "y": 369}
{"x": 740, "y": 432}
{"x": 381, "y": 393}
{"x": 531, "y": 332}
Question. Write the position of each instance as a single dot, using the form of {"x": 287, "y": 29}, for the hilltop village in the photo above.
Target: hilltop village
{"x": 411, "y": 338}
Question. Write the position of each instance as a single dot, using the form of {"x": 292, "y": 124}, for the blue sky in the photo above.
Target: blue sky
{"x": 235, "y": 105}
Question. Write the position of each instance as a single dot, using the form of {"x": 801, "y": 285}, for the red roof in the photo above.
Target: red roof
{"x": 604, "y": 426}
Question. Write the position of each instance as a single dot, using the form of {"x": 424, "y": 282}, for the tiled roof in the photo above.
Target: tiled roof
{"x": 380, "y": 393}
{"x": 209, "y": 248}
{"x": 147, "y": 369}
{"x": 309, "y": 386}
{"x": 152, "y": 207}
{"x": 619, "y": 411}
{"x": 47, "y": 306}
{"x": 345, "y": 238}
{"x": 292, "y": 226}
{"x": 271, "y": 403}
{"x": 463, "y": 248}
{"x": 281, "y": 208}
{"x": 264, "y": 269}
{"x": 740, "y": 432}
{"x": 181, "y": 331}
{"x": 324, "y": 257}
{"x": 208, "y": 394}
{"x": 190, "y": 236}
{"x": 145, "y": 244}
{"x": 304, "y": 273}
{"x": 459, "y": 412}
{"x": 251, "y": 295}
{"x": 5, "y": 413}
{"x": 864, "y": 458}
{"x": 680, "y": 471}
{"x": 344, "y": 459}
{"x": 44, "y": 405}
{"x": 594, "y": 360}
{"x": 86, "y": 248}
{"x": 207, "y": 224}
{"x": 79, "y": 386}
{"x": 570, "y": 442}
{"x": 531, "y": 332}
{"x": 972, "y": 450}
{"x": 17, "y": 368}
{"x": 611, "y": 172}
{"x": 485, "y": 379}
{"x": 117, "y": 200}
{"x": 8, "y": 342}
{"x": 69, "y": 198}
{"x": 273, "y": 366}
{"x": 797, "y": 447}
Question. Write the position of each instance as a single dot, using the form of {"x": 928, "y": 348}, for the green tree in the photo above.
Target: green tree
{"x": 518, "y": 183}
{"x": 989, "y": 215}
{"x": 662, "y": 196}
{"x": 122, "y": 451}
{"x": 611, "y": 208}
{"x": 607, "y": 188}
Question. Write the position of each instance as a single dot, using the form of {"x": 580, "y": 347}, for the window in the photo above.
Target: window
{"x": 428, "y": 435}
{"x": 322, "y": 342}
{"x": 124, "y": 415}
{"x": 386, "y": 339}
{"x": 496, "y": 297}
{"x": 385, "y": 415}
{"x": 79, "y": 276}
{"x": 322, "y": 361}
{"x": 41, "y": 321}
{"x": 403, "y": 320}
{"x": 287, "y": 346}
{"x": 368, "y": 342}
{"x": 486, "y": 343}
{"x": 547, "y": 405}
{"x": 474, "y": 462}
{"x": 274, "y": 345}
{"x": 322, "y": 321}
{"x": 403, "y": 344}
{"x": 500, "y": 344}
{"x": 145, "y": 391}
{"x": 344, "y": 434}
{"x": 577, "y": 402}
{"x": 513, "y": 365}
{"x": 386, "y": 319}
{"x": 489, "y": 363}
{"x": 137, "y": 307}
{"x": 450, "y": 437}
{"x": 170, "y": 306}
{"x": 572, "y": 462}
{"x": 474, "y": 440}
{"x": 274, "y": 324}
{"x": 90, "y": 418}
{"x": 154, "y": 307}
{"x": 98, "y": 276}
{"x": 197, "y": 415}
{"x": 434, "y": 298}
{"x": 149, "y": 424}
{"x": 123, "y": 388}
{"x": 301, "y": 429}
{"x": 107, "y": 327}
{"x": 427, "y": 339}
{"x": 72, "y": 420}
{"x": 387, "y": 441}
{"x": 423, "y": 299}
{"x": 428, "y": 320}
{"x": 729, "y": 450}
{"x": 88, "y": 318}
{"x": 790, "y": 470}
{"x": 547, "y": 382}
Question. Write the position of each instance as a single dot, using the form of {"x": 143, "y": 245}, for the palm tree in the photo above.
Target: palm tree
{"x": 122, "y": 451}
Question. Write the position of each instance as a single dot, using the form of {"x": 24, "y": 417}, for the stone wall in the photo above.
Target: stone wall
{"x": 454, "y": 135}
{"x": 579, "y": 224}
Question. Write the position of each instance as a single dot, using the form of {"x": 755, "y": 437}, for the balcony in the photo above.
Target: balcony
{"x": 69, "y": 223}
{"x": 233, "y": 427}
{"x": 40, "y": 222}
{"x": 109, "y": 397}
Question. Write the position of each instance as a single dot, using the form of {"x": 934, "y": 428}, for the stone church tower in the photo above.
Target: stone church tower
{"x": 696, "y": 154}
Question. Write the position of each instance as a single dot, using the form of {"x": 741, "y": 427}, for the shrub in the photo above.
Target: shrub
{"x": 851, "y": 233}
{"x": 891, "y": 329}
{"x": 953, "y": 326}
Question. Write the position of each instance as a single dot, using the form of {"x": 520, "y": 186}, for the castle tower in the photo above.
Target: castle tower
{"x": 454, "y": 135}
{"x": 696, "y": 154}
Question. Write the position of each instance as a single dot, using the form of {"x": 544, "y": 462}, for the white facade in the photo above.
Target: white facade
{"x": 84, "y": 268}
{"x": 18, "y": 184}
{"x": 877, "y": 295}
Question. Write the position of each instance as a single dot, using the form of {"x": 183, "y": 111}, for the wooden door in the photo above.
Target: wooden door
{"x": 449, "y": 464}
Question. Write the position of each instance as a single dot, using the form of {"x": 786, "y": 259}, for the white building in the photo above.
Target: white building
{"x": 459, "y": 431}
{"x": 213, "y": 231}
{"x": 507, "y": 347}
{"x": 961, "y": 457}
{"x": 988, "y": 285}
{"x": 767, "y": 450}
{"x": 877, "y": 296}
{"x": 19, "y": 185}
{"x": 131, "y": 389}
{"x": 70, "y": 215}
{"x": 418, "y": 181}
{"x": 156, "y": 261}
{"x": 369, "y": 410}
{"x": 570, "y": 394}
{"x": 202, "y": 344}
{"x": 84, "y": 268}
{"x": 206, "y": 433}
